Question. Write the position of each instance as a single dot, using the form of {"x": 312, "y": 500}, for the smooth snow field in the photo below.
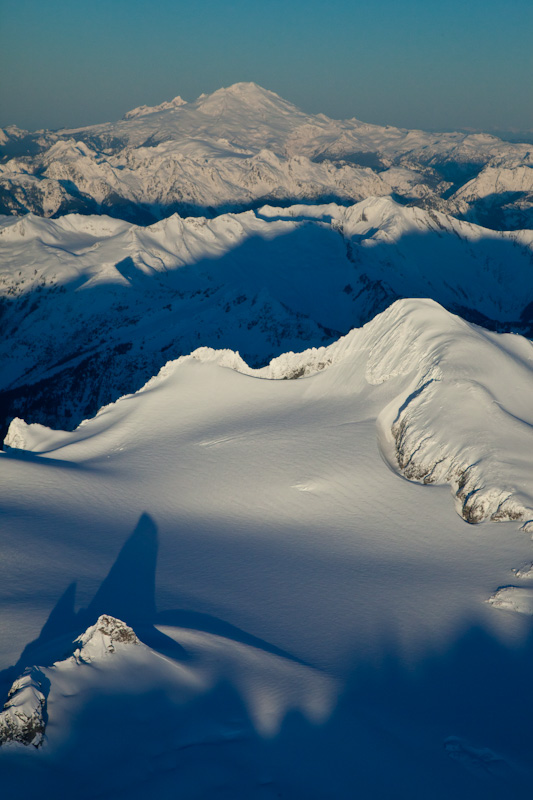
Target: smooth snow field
{"x": 308, "y": 619}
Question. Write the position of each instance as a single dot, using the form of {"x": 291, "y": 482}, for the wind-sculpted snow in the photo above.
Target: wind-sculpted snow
{"x": 243, "y": 146}
{"x": 465, "y": 417}
{"x": 92, "y": 307}
{"x": 460, "y": 414}
{"x": 513, "y": 598}
{"x": 228, "y": 543}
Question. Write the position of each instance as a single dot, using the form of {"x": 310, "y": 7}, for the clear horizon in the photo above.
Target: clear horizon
{"x": 444, "y": 66}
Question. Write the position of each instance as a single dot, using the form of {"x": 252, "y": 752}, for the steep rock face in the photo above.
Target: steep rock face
{"x": 102, "y": 639}
{"x": 243, "y": 146}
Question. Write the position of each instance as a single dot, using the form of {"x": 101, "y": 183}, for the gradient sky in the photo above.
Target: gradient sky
{"x": 429, "y": 64}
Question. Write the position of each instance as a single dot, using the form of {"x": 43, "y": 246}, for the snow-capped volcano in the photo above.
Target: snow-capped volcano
{"x": 243, "y": 112}
{"x": 244, "y": 145}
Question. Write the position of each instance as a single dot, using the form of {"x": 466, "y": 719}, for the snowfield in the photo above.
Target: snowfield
{"x": 93, "y": 307}
{"x": 294, "y": 597}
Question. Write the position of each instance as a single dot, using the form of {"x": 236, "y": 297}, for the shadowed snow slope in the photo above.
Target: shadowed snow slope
{"x": 309, "y": 605}
{"x": 93, "y": 307}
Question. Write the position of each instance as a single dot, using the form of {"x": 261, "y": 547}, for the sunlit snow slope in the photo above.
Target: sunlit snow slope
{"x": 300, "y": 615}
{"x": 93, "y": 307}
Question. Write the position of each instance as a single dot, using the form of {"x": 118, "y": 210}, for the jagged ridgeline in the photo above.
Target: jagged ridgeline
{"x": 24, "y": 716}
{"x": 243, "y": 146}
{"x": 93, "y": 307}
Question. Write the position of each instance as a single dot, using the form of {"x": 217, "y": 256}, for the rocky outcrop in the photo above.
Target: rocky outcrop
{"x": 102, "y": 639}
{"x": 24, "y": 717}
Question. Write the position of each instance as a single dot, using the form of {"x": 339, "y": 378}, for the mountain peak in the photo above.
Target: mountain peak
{"x": 244, "y": 94}
{"x": 244, "y": 89}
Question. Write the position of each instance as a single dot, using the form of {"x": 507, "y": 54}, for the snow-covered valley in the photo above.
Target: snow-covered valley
{"x": 267, "y": 479}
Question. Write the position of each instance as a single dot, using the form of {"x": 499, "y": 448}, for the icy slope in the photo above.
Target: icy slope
{"x": 242, "y": 146}
{"x": 299, "y": 601}
{"x": 93, "y": 307}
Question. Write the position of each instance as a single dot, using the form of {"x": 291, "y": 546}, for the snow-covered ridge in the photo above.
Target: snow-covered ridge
{"x": 455, "y": 405}
{"x": 24, "y": 717}
{"x": 102, "y": 639}
{"x": 112, "y": 648}
{"x": 261, "y": 282}
{"x": 457, "y": 422}
{"x": 166, "y": 105}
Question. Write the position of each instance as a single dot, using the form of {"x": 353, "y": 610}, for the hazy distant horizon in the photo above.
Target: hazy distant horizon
{"x": 524, "y": 136}
{"x": 448, "y": 65}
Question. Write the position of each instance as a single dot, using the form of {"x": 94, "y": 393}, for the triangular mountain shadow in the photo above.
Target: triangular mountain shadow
{"x": 127, "y": 593}
{"x": 49, "y": 646}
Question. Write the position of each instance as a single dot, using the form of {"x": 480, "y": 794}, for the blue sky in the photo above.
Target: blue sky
{"x": 432, "y": 64}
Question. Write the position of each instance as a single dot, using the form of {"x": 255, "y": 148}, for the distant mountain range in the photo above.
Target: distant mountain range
{"x": 92, "y": 307}
{"x": 244, "y": 146}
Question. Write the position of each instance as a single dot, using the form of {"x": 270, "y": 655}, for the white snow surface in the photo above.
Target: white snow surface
{"x": 513, "y": 598}
{"x": 296, "y": 601}
{"x": 22, "y": 718}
